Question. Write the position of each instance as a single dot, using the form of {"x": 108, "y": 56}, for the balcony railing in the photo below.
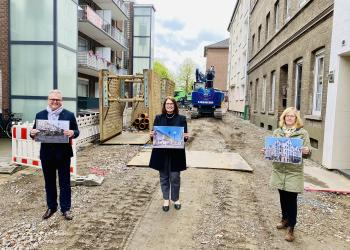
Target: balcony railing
{"x": 86, "y": 13}
{"x": 122, "y": 6}
{"x": 90, "y": 60}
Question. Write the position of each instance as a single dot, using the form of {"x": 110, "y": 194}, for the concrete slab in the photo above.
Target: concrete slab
{"x": 200, "y": 159}
{"x": 319, "y": 179}
{"x": 128, "y": 138}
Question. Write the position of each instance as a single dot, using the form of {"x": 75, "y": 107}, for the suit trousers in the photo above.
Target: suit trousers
{"x": 170, "y": 183}
{"x": 50, "y": 167}
{"x": 289, "y": 205}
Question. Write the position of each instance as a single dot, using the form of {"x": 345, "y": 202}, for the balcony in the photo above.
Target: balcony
{"x": 94, "y": 26}
{"x": 119, "y": 8}
{"x": 90, "y": 64}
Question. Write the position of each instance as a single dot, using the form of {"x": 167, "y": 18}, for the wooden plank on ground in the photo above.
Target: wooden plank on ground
{"x": 127, "y": 138}
{"x": 201, "y": 159}
{"x": 323, "y": 180}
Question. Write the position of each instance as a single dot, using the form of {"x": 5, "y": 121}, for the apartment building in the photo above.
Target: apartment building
{"x": 102, "y": 44}
{"x": 217, "y": 56}
{"x": 238, "y": 57}
{"x": 337, "y": 135}
{"x": 289, "y": 52}
{"x": 63, "y": 44}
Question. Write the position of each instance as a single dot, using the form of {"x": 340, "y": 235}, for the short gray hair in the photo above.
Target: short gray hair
{"x": 55, "y": 91}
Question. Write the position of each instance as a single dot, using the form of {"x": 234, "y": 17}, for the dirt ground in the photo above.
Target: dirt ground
{"x": 220, "y": 209}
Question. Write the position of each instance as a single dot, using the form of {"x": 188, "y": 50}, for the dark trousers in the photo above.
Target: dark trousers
{"x": 289, "y": 206}
{"x": 50, "y": 167}
{"x": 170, "y": 184}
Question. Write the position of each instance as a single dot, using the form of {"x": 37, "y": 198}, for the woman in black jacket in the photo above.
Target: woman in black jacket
{"x": 169, "y": 162}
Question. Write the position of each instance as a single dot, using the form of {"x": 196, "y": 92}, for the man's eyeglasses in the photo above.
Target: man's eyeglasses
{"x": 55, "y": 100}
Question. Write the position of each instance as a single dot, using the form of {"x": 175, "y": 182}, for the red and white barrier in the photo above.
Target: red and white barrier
{"x": 26, "y": 151}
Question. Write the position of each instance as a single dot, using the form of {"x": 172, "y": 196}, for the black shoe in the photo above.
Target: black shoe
{"x": 177, "y": 206}
{"x": 67, "y": 215}
{"x": 49, "y": 212}
{"x": 165, "y": 208}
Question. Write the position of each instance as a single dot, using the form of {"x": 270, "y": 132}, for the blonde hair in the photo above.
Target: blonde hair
{"x": 55, "y": 91}
{"x": 298, "y": 121}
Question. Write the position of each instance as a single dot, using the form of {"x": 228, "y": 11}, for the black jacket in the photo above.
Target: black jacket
{"x": 58, "y": 150}
{"x": 160, "y": 155}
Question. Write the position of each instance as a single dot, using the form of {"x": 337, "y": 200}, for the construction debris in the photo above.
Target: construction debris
{"x": 87, "y": 180}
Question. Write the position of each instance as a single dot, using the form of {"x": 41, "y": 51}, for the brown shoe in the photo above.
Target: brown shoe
{"x": 283, "y": 224}
{"x": 290, "y": 234}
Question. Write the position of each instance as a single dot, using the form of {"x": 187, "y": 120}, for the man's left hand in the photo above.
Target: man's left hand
{"x": 69, "y": 133}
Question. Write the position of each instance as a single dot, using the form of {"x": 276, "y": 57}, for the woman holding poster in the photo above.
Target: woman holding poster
{"x": 288, "y": 178}
{"x": 169, "y": 161}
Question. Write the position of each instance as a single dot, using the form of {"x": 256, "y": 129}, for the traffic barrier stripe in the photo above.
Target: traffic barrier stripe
{"x": 26, "y": 151}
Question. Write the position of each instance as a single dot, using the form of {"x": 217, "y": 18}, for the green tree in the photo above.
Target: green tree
{"x": 186, "y": 74}
{"x": 162, "y": 71}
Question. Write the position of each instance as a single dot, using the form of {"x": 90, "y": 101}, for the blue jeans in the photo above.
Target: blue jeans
{"x": 50, "y": 167}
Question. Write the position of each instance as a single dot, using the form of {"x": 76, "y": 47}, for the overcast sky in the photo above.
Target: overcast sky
{"x": 184, "y": 27}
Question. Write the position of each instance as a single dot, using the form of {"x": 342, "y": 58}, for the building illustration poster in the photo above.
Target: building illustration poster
{"x": 283, "y": 149}
{"x": 168, "y": 137}
{"x": 52, "y": 131}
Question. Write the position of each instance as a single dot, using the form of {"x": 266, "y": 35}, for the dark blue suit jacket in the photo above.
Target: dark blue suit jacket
{"x": 58, "y": 150}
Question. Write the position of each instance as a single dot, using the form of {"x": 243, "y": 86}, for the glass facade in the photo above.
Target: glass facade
{"x": 67, "y": 72}
{"x": 31, "y": 20}
{"x": 31, "y": 69}
{"x": 143, "y": 37}
{"x": 142, "y": 46}
{"x": 67, "y": 27}
{"x": 43, "y": 56}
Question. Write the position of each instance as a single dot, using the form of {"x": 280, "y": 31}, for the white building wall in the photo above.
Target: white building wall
{"x": 238, "y": 57}
{"x": 337, "y": 134}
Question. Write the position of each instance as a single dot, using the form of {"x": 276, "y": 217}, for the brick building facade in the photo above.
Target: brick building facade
{"x": 217, "y": 56}
{"x": 4, "y": 76}
{"x": 288, "y": 63}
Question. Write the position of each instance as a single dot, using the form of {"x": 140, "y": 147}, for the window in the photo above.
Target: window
{"x": 253, "y": 43}
{"x": 83, "y": 87}
{"x": 267, "y": 29}
{"x": 142, "y": 46}
{"x": 259, "y": 34}
{"x": 272, "y": 91}
{"x": 142, "y": 26}
{"x": 242, "y": 92}
{"x": 277, "y": 10}
{"x": 263, "y": 94}
{"x": 256, "y": 94}
{"x": 318, "y": 83}
{"x": 288, "y": 9}
{"x": 298, "y": 77}
{"x": 83, "y": 44}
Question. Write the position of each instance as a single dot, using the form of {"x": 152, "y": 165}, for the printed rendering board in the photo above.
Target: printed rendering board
{"x": 128, "y": 138}
{"x": 283, "y": 149}
{"x": 168, "y": 137}
{"x": 200, "y": 159}
{"x": 52, "y": 131}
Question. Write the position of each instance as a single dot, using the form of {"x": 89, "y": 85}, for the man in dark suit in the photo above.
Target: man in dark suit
{"x": 56, "y": 157}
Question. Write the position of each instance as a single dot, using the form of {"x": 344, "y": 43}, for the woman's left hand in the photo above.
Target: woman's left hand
{"x": 186, "y": 136}
{"x": 305, "y": 150}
